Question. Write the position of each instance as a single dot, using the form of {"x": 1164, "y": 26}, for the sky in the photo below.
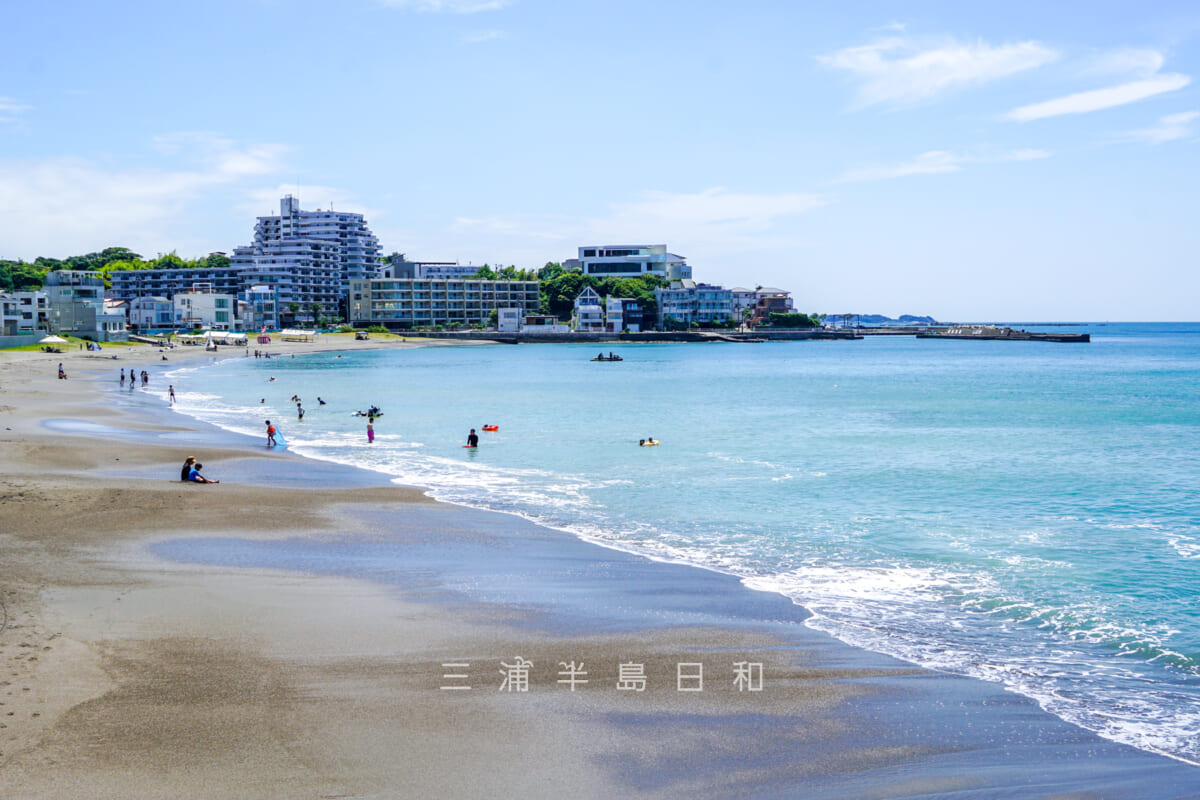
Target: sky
{"x": 970, "y": 161}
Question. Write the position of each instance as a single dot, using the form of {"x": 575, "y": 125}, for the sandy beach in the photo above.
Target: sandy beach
{"x": 127, "y": 670}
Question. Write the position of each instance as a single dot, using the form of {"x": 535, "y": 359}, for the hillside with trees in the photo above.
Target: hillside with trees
{"x": 26, "y": 276}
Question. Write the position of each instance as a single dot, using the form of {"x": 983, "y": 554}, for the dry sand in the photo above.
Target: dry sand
{"x": 126, "y": 675}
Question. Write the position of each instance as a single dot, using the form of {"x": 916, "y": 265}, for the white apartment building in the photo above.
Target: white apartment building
{"x": 23, "y": 313}
{"x": 310, "y": 257}
{"x": 686, "y": 302}
{"x": 629, "y": 261}
{"x": 407, "y": 303}
{"x": 202, "y": 308}
{"x": 355, "y": 248}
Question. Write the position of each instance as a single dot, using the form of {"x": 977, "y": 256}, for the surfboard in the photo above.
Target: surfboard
{"x": 280, "y": 442}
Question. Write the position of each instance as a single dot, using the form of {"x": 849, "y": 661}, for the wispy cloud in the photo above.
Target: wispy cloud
{"x": 712, "y": 224}
{"x": 1100, "y": 99}
{"x": 1126, "y": 62}
{"x": 899, "y": 71}
{"x": 73, "y": 205}
{"x": 1142, "y": 66}
{"x": 1168, "y": 129}
{"x": 10, "y": 108}
{"x": 448, "y": 6}
{"x": 478, "y": 37}
{"x": 935, "y": 162}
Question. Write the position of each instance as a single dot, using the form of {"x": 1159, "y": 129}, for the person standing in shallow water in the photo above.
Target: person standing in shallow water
{"x": 370, "y": 431}
{"x": 472, "y": 439}
{"x": 270, "y": 434}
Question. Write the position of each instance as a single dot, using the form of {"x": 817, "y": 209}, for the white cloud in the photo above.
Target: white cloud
{"x": 1100, "y": 99}
{"x": 707, "y": 226}
{"x": 448, "y": 6}
{"x": 10, "y": 108}
{"x": 897, "y": 71}
{"x": 1168, "y": 129}
{"x": 61, "y": 206}
{"x": 936, "y": 162}
{"x": 1128, "y": 62}
{"x": 478, "y": 37}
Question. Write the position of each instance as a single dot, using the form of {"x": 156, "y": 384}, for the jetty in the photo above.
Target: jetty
{"x": 998, "y": 333}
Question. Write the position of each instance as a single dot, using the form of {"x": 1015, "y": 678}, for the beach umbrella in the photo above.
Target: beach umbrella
{"x": 52, "y": 340}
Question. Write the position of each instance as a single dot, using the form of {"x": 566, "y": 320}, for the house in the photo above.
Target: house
{"x": 588, "y": 316}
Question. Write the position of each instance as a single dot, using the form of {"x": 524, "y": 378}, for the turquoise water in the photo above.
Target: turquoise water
{"x": 1022, "y": 512}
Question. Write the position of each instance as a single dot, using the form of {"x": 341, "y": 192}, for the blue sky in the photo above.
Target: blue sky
{"x": 1008, "y": 160}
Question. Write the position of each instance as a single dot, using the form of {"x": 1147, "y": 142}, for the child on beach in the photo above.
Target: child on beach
{"x": 270, "y": 434}
{"x": 370, "y": 432}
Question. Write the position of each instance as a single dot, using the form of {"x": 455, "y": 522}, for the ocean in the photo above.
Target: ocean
{"x": 1027, "y": 513}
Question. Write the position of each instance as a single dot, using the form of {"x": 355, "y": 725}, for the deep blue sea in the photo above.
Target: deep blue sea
{"x": 1023, "y": 512}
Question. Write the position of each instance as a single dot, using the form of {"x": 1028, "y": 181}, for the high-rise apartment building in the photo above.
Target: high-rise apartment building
{"x": 320, "y": 240}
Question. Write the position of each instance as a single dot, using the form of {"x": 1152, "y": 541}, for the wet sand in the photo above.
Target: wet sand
{"x": 257, "y": 638}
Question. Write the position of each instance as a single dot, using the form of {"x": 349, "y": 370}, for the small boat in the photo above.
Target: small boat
{"x": 492, "y": 428}
{"x": 609, "y": 357}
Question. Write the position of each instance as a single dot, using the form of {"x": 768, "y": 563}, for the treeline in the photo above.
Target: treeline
{"x": 559, "y": 288}
{"x": 28, "y": 276}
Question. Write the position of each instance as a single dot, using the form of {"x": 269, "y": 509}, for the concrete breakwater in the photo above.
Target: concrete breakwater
{"x": 646, "y": 336}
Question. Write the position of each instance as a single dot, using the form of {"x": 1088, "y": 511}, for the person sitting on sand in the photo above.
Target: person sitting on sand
{"x": 187, "y": 468}
{"x": 195, "y": 477}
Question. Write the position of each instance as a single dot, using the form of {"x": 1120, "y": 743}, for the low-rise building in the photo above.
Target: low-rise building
{"x": 23, "y": 313}
{"x": 622, "y": 314}
{"x": 151, "y": 313}
{"x": 769, "y": 304}
{"x": 401, "y": 267}
{"x": 544, "y": 324}
{"x": 508, "y": 320}
{"x": 202, "y": 308}
{"x": 629, "y": 261}
{"x": 686, "y": 302}
{"x": 75, "y": 300}
{"x": 413, "y": 303}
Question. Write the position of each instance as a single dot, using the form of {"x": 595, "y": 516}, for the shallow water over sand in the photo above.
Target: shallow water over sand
{"x": 1018, "y": 511}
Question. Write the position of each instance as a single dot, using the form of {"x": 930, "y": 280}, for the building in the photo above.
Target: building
{"x": 350, "y": 247}
{"x": 151, "y": 313}
{"x": 508, "y": 320}
{"x": 543, "y": 324}
{"x": 23, "y": 313}
{"x": 204, "y": 308}
{"x": 261, "y": 308}
{"x": 401, "y": 267}
{"x": 622, "y": 314}
{"x": 75, "y": 300}
{"x": 746, "y": 302}
{"x": 686, "y": 302}
{"x": 769, "y": 304}
{"x": 412, "y": 303}
{"x": 133, "y": 283}
{"x": 588, "y": 316}
{"x": 629, "y": 261}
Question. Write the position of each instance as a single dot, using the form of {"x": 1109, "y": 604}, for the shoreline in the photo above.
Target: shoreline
{"x": 832, "y": 720}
